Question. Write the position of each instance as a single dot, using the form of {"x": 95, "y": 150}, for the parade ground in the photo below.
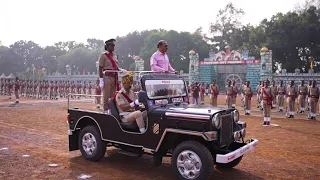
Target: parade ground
{"x": 34, "y": 145}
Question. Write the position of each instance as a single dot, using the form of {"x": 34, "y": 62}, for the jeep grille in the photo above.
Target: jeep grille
{"x": 226, "y": 129}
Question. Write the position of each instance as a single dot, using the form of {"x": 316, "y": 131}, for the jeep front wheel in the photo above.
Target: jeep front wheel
{"x": 91, "y": 145}
{"x": 192, "y": 160}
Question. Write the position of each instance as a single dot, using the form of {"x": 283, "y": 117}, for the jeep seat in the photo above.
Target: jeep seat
{"x": 128, "y": 126}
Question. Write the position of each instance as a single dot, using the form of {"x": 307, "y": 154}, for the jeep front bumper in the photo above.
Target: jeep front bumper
{"x": 226, "y": 158}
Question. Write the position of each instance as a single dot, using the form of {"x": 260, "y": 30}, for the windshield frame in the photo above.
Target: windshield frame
{"x": 165, "y": 81}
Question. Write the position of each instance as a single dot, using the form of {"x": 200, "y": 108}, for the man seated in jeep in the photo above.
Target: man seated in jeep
{"x": 128, "y": 104}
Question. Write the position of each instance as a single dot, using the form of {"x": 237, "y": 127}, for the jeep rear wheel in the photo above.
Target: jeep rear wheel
{"x": 91, "y": 145}
{"x": 192, "y": 160}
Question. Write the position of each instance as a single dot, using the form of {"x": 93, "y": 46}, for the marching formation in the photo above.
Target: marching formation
{"x": 301, "y": 98}
{"x": 46, "y": 89}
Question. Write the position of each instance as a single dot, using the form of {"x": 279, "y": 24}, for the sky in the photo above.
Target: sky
{"x": 48, "y": 21}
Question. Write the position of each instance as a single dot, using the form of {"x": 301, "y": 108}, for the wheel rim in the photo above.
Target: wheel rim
{"x": 189, "y": 164}
{"x": 89, "y": 143}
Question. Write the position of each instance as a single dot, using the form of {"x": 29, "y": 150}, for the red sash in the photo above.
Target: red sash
{"x": 98, "y": 91}
{"x": 268, "y": 99}
{"x": 215, "y": 94}
{"x": 16, "y": 86}
{"x": 127, "y": 98}
{"x": 115, "y": 67}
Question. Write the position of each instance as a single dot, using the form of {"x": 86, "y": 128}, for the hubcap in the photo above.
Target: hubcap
{"x": 189, "y": 164}
{"x": 89, "y": 143}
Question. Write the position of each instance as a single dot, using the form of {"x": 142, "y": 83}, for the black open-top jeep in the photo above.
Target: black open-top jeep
{"x": 196, "y": 137}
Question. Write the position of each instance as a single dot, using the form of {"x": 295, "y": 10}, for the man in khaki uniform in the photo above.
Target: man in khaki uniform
{"x": 258, "y": 89}
{"x": 127, "y": 104}
{"x": 108, "y": 81}
{"x": 229, "y": 94}
{"x": 303, "y": 92}
{"x": 291, "y": 96}
{"x": 267, "y": 97}
{"x": 281, "y": 95}
{"x": 313, "y": 94}
{"x": 16, "y": 89}
{"x": 202, "y": 91}
{"x": 214, "y": 93}
{"x": 243, "y": 86}
{"x": 235, "y": 94}
{"x": 274, "y": 93}
{"x": 308, "y": 101}
{"x": 247, "y": 91}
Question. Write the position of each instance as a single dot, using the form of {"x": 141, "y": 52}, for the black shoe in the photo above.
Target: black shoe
{"x": 268, "y": 123}
{"x": 264, "y": 123}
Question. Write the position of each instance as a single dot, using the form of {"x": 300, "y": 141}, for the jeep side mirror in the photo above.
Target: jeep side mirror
{"x": 142, "y": 97}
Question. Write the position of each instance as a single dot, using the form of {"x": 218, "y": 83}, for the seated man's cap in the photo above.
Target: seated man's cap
{"x": 127, "y": 79}
{"x": 110, "y": 41}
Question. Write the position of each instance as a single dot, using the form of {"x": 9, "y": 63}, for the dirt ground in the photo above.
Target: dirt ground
{"x": 39, "y": 129}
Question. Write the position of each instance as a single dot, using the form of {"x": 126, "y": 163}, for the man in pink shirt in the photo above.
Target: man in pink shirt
{"x": 159, "y": 61}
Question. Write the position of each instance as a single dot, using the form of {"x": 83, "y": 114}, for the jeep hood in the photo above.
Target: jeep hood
{"x": 193, "y": 111}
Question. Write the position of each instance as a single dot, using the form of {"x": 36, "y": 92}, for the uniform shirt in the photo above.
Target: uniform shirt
{"x": 229, "y": 90}
{"x": 274, "y": 89}
{"x": 160, "y": 61}
{"x": 105, "y": 62}
{"x": 268, "y": 94}
{"x": 247, "y": 90}
{"x": 314, "y": 92}
{"x": 302, "y": 90}
{"x": 258, "y": 89}
{"x": 281, "y": 90}
{"x": 121, "y": 100}
{"x": 291, "y": 91}
{"x": 214, "y": 89}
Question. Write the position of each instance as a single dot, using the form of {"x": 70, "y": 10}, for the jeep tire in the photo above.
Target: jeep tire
{"x": 192, "y": 160}
{"x": 91, "y": 145}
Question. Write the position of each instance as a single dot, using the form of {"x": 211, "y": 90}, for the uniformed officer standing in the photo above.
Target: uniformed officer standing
{"x": 267, "y": 97}
{"x": 16, "y": 89}
{"x": 214, "y": 93}
{"x": 308, "y": 101}
{"x": 229, "y": 94}
{"x": 202, "y": 91}
{"x": 274, "y": 93}
{"x": 109, "y": 81}
{"x": 291, "y": 96}
{"x": 247, "y": 91}
{"x": 303, "y": 92}
{"x": 234, "y": 94}
{"x": 281, "y": 95}
{"x": 1, "y": 86}
{"x": 258, "y": 89}
{"x": 243, "y": 86}
{"x": 84, "y": 87}
{"x": 313, "y": 94}
{"x": 90, "y": 88}
{"x": 10, "y": 86}
{"x": 98, "y": 92}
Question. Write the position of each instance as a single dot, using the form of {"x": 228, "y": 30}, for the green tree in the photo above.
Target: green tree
{"x": 227, "y": 22}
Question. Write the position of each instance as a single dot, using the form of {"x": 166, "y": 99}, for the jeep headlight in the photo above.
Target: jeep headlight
{"x": 235, "y": 116}
{"x": 216, "y": 120}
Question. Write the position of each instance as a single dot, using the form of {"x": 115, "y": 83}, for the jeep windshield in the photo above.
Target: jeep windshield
{"x": 160, "y": 89}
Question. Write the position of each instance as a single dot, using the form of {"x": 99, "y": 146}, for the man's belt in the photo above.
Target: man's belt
{"x": 303, "y": 94}
{"x": 313, "y": 96}
{"x": 282, "y": 93}
{"x": 109, "y": 73}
